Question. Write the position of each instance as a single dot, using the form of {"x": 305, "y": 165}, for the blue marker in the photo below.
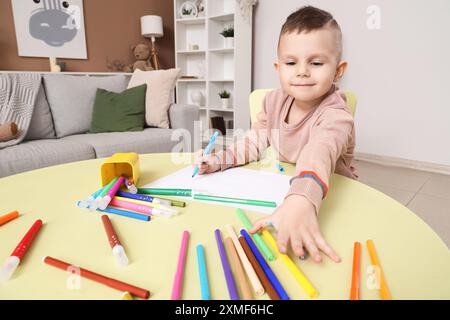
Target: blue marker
{"x": 143, "y": 197}
{"x": 269, "y": 273}
{"x": 86, "y": 203}
{"x": 202, "y": 273}
{"x": 279, "y": 167}
{"x": 207, "y": 150}
{"x": 125, "y": 213}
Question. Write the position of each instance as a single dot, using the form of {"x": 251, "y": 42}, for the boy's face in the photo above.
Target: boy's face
{"x": 308, "y": 63}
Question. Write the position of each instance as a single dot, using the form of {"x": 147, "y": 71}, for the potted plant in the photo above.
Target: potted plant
{"x": 228, "y": 34}
{"x": 225, "y": 97}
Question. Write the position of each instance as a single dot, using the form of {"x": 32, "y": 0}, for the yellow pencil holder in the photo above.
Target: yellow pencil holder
{"x": 126, "y": 164}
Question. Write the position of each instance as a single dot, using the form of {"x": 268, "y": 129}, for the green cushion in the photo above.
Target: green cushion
{"x": 117, "y": 112}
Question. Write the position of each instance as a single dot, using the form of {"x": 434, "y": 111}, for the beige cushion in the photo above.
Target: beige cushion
{"x": 160, "y": 85}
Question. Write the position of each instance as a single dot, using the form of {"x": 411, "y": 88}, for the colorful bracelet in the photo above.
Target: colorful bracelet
{"x": 315, "y": 177}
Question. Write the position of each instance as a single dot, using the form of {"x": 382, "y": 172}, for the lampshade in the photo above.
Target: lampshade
{"x": 152, "y": 26}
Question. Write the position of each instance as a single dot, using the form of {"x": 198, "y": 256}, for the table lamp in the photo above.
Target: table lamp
{"x": 152, "y": 27}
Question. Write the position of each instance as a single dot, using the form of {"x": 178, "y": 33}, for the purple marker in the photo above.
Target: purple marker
{"x": 226, "y": 267}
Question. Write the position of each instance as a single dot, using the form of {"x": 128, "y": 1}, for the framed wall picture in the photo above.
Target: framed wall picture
{"x": 50, "y": 28}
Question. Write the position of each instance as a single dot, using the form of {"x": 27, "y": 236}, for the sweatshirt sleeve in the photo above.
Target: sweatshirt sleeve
{"x": 329, "y": 139}
{"x": 251, "y": 146}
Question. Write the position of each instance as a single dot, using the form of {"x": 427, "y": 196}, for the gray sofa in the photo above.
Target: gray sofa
{"x": 61, "y": 119}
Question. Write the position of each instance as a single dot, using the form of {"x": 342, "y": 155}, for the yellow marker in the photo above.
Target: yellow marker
{"x": 384, "y": 291}
{"x": 293, "y": 268}
{"x": 149, "y": 204}
{"x": 127, "y": 296}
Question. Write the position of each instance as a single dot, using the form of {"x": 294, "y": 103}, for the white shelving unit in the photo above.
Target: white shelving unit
{"x": 215, "y": 67}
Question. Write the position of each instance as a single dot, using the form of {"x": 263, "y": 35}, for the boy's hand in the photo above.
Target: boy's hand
{"x": 296, "y": 222}
{"x": 207, "y": 164}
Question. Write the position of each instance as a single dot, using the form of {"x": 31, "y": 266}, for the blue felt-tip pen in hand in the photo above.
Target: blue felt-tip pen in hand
{"x": 279, "y": 167}
{"x": 207, "y": 150}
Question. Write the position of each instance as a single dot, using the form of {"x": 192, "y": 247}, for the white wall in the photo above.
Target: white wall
{"x": 400, "y": 73}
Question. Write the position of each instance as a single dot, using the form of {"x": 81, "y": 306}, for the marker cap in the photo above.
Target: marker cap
{"x": 127, "y": 296}
{"x": 8, "y": 268}
{"x": 103, "y": 203}
{"x": 165, "y": 212}
{"x": 164, "y": 202}
{"x": 120, "y": 255}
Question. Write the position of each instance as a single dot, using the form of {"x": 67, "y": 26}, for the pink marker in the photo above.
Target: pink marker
{"x": 111, "y": 193}
{"x": 178, "y": 281}
{"x": 150, "y": 211}
{"x": 14, "y": 259}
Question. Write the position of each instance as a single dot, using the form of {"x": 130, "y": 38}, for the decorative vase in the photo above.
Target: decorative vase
{"x": 225, "y": 103}
{"x": 229, "y": 42}
{"x": 196, "y": 97}
{"x": 201, "y": 70}
{"x": 188, "y": 10}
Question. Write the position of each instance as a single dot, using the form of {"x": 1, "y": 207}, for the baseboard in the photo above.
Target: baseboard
{"x": 404, "y": 163}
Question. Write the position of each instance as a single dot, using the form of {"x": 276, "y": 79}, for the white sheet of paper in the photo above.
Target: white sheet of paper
{"x": 237, "y": 183}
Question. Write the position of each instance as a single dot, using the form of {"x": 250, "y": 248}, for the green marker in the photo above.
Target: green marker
{"x": 95, "y": 202}
{"x": 108, "y": 186}
{"x": 166, "y": 192}
{"x": 250, "y": 202}
{"x": 259, "y": 241}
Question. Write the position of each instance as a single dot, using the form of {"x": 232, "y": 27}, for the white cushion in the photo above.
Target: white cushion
{"x": 160, "y": 85}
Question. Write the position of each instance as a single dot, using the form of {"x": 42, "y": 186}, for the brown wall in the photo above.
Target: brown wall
{"x": 112, "y": 27}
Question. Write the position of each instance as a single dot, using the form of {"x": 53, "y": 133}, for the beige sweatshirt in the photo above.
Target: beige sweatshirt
{"x": 321, "y": 143}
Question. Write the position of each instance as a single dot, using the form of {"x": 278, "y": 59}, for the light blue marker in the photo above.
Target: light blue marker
{"x": 202, "y": 273}
{"x": 207, "y": 150}
{"x": 86, "y": 203}
{"x": 279, "y": 167}
{"x": 125, "y": 213}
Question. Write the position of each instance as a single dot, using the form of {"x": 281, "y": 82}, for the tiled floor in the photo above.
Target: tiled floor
{"x": 426, "y": 194}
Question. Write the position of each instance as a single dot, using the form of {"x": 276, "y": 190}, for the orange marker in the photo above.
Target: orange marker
{"x": 8, "y": 217}
{"x": 384, "y": 291}
{"x": 354, "y": 291}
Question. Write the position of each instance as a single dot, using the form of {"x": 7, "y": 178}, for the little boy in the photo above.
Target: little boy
{"x": 307, "y": 122}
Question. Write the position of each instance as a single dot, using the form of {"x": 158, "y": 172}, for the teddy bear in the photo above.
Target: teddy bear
{"x": 8, "y": 131}
{"x": 141, "y": 53}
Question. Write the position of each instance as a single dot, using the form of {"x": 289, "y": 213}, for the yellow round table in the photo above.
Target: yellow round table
{"x": 415, "y": 261}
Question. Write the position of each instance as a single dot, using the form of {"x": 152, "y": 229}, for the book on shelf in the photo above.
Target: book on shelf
{"x": 229, "y": 124}
{"x": 218, "y": 123}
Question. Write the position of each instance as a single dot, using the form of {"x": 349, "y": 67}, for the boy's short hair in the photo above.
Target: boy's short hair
{"x": 309, "y": 18}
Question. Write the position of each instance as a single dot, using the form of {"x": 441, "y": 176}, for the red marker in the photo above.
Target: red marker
{"x": 14, "y": 259}
{"x": 116, "y": 284}
{"x": 117, "y": 249}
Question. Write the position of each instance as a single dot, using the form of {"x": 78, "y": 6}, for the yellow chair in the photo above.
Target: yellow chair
{"x": 257, "y": 97}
